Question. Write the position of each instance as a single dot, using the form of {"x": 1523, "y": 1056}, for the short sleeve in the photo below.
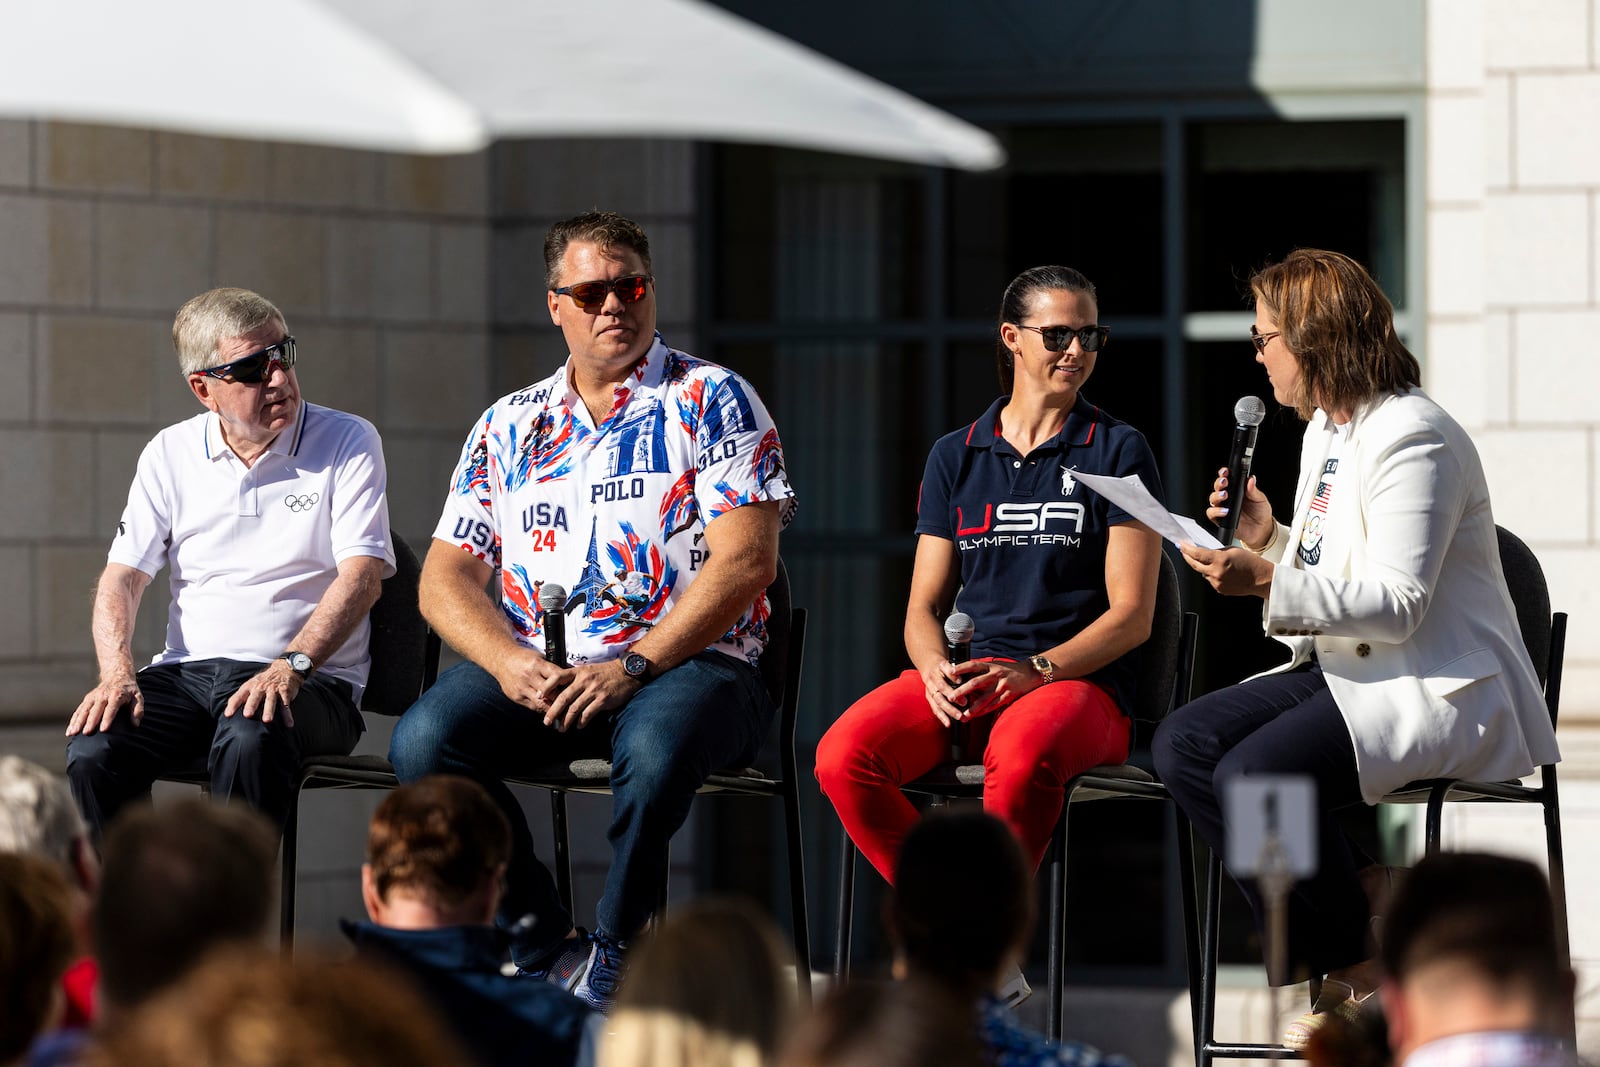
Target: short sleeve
{"x": 144, "y": 533}
{"x": 739, "y": 458}
{"x": 361, "y": 505}
{"x": 933, "y": 499}
{"x": 468, "y": 520}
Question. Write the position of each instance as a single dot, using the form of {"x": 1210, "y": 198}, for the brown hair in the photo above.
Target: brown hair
{"x": 438, "y": 838}
{"x": 263, "y": 1009}
{"x": 36, "y": 945}
{"x": 607, "y": 229}
{"x": 1339, "y": 326}
{"x": 1017, "y": 301}
{"x": 177, "y": 880}
{"x": 887, "y": 1024}
{"x": 707, "y": 989}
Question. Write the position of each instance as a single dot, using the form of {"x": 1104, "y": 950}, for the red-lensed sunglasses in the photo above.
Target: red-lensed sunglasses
{"x": 590, "y": 296}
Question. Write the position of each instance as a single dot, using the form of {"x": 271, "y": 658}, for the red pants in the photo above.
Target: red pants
{"x": 1031, "y": 748}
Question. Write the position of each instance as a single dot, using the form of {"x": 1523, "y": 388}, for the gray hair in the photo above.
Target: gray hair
{"x": 205, "y": 320}
{"x": 37, "y": 813}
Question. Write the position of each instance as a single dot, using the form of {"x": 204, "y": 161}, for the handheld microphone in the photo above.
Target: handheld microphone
{"x": 553, "y": 599}
{"x": 1247, "y": 416}
{"x": 958, "y": 631}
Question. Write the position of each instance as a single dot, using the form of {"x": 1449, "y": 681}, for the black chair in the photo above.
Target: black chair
{"x": 780, "y": 669}
{"x": 1164, "y": 665}
{"x": 1545, "y": 635}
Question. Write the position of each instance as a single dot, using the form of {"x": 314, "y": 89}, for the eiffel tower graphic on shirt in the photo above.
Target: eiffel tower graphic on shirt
{"x": 592, "y": 584}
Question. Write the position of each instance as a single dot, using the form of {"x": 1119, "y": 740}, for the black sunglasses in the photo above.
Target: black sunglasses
{"x": 592, "y": 295}
{"x": 1260, "y": 339}
{"x": 1059, "y": 338}
{"x": 255, "y": 368}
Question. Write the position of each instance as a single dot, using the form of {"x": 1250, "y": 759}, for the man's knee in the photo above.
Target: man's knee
{"x": 88, "y": 757}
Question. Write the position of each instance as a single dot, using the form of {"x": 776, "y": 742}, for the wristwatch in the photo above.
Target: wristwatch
{"x": 299, "y": 662}
{"x": 636, "y": 666}
{"x": 1046, "y": 669}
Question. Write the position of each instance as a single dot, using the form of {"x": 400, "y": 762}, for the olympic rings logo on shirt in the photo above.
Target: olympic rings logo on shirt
{"x": 303, "y": 502}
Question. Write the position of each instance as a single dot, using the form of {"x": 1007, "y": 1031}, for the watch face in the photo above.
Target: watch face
{"x": 299, "y": 661}
{"x": 635, "y": 665}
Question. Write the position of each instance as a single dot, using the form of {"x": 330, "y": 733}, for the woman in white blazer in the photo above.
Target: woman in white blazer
{"x": 1406, "y": 658}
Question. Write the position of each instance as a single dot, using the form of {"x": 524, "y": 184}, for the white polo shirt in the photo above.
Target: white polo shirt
{"x": 252, "y": 550}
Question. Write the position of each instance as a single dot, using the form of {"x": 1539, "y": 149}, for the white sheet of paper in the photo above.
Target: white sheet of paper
{"x": 1129, "y": 494}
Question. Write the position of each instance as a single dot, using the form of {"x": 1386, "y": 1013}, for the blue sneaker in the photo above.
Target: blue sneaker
{"x": 564, "y": 964}
{"x": 604, "y": 972}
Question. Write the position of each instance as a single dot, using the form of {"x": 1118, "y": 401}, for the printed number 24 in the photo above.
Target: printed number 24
{"x": 544, "y": 540}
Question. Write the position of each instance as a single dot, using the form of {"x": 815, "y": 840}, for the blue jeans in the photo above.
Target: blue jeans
{"x": 707, "y": 714}
{"x": 247, "y": 759}
{"x": 1278, "y": 724}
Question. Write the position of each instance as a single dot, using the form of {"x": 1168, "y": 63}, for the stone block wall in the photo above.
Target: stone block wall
{"x": 413, "y": 284}
{"x": 1513, "y": 268}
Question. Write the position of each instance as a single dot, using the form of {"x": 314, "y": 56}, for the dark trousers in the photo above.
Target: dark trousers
{"x": 183, "y": 722}
{"x": 1280, "y": 724}
{"x": 708, "y": 713}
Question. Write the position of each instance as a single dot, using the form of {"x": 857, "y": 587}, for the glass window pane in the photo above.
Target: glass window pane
{"x": 1261, "y": 189}
{"x": 1086, "y": 196}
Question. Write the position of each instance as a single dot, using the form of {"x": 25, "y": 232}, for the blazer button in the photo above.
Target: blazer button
{"x": 1363, "y": 649}
{"x": 1280, "y": 631}
{"x": 1316, "y": 633}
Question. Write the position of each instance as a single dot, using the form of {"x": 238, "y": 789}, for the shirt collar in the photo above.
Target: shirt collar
{"x": 287, "y": 443}
{"x": 454, "y": 948}
{"x": 1079, "y": 429}
{"x": 646, "y": 374}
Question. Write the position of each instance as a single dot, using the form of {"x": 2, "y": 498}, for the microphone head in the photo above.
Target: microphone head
{"x": 1249, "y": 411}
{"x": 553, "y": 598}
{"x": 959, "y": 628}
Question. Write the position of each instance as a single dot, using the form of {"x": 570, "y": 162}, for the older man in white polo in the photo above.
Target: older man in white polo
{"x": 270, "y": 516}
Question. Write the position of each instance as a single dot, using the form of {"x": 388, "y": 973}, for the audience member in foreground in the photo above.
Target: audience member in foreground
{"x": 1474, "y": 971}
{"x": 177, "y": 880}
{"x": 708, "y": 989}
{"x": 960, "y": 916}
{"x": 39, "y": 816}
{"x": 436, "y": 857}
{"x": 36, "y": 945}
{"x": 887, "y": 1024}
{"x": 260, "y": 1009}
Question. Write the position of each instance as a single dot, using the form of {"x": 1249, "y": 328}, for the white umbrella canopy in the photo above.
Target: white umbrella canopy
{"x": 440, "y": 76}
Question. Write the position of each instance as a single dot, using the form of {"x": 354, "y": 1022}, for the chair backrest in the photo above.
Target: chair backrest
{"x": 1162, "y": 664}
{"x": 774, "y": 662}
{"x": 399, "y": 638}
{"x": 1530, "y": 595}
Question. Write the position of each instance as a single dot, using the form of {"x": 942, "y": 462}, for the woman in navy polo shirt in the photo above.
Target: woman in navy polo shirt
{"x": 1060, "y": 583}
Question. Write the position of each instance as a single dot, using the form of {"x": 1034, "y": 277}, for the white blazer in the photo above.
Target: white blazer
{"x": 1408, "y": 612}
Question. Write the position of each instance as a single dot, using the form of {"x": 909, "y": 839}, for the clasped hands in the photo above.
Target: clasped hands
{"x": 566, "y": 696}
{"x": 989, "y": 685}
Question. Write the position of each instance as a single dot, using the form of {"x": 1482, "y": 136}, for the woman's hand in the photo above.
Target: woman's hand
{"x": 939, "y": 686}
{"x": 991, "y": 685}
{"x": 1255, "y": 519}
{"x": 1231, "y": 571}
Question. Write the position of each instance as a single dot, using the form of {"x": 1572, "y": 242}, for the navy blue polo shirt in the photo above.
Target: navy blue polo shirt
{"x": 1030, "y": 537}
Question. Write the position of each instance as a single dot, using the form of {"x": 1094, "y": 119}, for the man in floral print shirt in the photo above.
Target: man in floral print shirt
{"x": 650, "y": 485}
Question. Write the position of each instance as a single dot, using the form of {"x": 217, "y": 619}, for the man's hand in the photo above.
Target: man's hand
{"x": 269, "y": 691}
{"x": 529, "y": 679}
{"x": 991, "y": 685}
{"x": 99, "y": 707}
{"x": 594, "y": 688}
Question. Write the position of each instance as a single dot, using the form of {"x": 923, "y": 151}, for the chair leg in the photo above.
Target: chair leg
{"x": 1191, "y": 918}
{"x": 563, "y": 852}
{"x": 799, "y": 914}
{"x": 1435, "y": 819}
{"x": 1209, "y": 942}
{"x": 847, "y": 886}
{"x": 1058, "y": 922}
{"x": 286, "y": 864}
